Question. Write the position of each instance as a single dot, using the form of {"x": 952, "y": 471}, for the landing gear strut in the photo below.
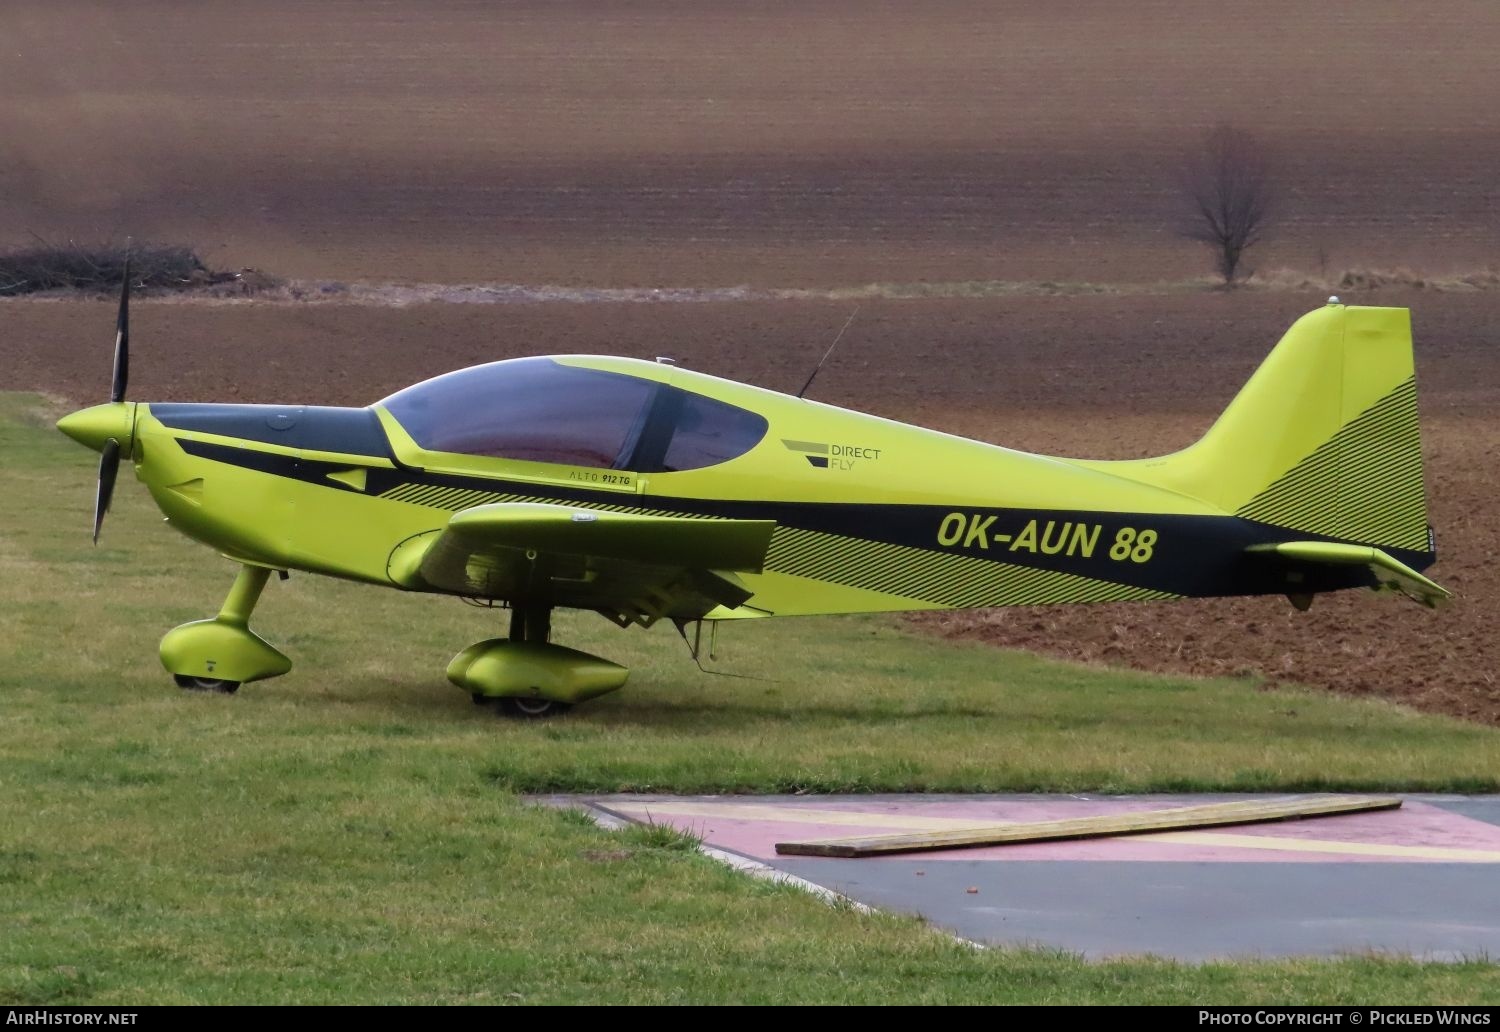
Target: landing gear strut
{"x": 526, "y": 675}
{"x": 219, "y": 655}
{"x": 531, "y": 623}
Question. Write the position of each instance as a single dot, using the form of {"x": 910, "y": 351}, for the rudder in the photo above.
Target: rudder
{"x": 1323, "y": 439}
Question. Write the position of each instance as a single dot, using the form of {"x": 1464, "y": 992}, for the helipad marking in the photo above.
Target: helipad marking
{"x": 1302, "y": 845}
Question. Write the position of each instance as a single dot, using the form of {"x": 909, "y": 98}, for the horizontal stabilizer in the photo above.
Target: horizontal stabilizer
{"x": 1391, "y": 573}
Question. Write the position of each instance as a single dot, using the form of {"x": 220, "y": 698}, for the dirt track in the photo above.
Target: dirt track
{"x": 1101, "y": 376}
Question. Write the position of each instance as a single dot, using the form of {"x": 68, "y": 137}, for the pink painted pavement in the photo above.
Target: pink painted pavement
{"x": 1416, "y": 833}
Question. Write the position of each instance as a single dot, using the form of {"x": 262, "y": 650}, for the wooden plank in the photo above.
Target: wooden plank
{"x": 1177, "y": 818}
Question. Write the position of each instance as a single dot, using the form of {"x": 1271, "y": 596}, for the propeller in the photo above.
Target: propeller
{"x": 109, "y": 468}
{"x": 109, "y": 429}
{"x": 109, "y": 455}
{"x": 122, "y": 340}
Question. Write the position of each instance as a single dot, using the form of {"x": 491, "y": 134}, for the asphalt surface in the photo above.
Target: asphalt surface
{"x": 1423, "y": 880}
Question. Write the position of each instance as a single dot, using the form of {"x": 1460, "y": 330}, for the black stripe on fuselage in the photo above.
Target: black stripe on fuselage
{"x": 1191, "y": 555}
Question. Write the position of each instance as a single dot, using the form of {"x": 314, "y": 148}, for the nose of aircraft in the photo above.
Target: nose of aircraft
{"x": 93, "y": 426}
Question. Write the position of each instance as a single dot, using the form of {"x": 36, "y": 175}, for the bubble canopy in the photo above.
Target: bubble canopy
{"x": 540, "y": 410}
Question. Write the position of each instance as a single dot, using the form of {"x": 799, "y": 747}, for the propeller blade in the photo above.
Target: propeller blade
{"x": 122, "y": 340}
{"x": 109, "y": 467}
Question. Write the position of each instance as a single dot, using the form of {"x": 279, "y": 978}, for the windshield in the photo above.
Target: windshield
{"x": 527, "y": 408}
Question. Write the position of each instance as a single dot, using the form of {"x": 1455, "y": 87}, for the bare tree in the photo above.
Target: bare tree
{"x": 1231, "y": 196}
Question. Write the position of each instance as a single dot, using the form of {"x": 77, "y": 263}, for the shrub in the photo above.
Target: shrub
{"x": 47, "y": 266}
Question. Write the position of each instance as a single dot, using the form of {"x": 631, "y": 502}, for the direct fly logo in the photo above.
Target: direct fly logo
{"x": 832, "y": 456}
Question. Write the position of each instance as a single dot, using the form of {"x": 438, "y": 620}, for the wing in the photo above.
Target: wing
{"x": 632, "y": 568}
{"x": 1389, "y": 572}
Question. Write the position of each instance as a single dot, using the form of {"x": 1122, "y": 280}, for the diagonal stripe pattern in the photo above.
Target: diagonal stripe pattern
{"x": 1363, "y": 484}
{"x": 937, "y": 577}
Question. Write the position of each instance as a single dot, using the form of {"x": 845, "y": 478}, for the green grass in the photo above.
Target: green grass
{"x": 352, "y": 833}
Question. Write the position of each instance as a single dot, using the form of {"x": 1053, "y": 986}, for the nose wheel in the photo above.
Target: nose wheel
{"x": 205, "y": 684}
{"x": 220, "y": 654}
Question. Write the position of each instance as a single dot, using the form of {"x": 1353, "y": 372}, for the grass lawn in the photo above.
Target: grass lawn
{"x": 352, "y": 832}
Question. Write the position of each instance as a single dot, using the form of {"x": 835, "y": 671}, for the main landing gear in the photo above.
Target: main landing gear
{"x": 526, "y": 675}
{"x": 221, "y": 654}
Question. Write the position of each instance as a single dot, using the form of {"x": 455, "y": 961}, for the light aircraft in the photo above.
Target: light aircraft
{"x": 645, "y": 491}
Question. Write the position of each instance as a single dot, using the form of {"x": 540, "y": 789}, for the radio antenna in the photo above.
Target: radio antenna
{"x": 835, "y": 344}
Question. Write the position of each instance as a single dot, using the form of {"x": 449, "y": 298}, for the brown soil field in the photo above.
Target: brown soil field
{"x": 666, "y": 142}
{"x": 1104, "y": 376}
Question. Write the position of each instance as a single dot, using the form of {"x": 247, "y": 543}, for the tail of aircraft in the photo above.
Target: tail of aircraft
{"x": 1323, "y": 439}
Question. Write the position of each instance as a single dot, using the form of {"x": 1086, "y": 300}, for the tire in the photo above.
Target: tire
{"x": 531, "y": 709}
{"x": 206, "y": 684}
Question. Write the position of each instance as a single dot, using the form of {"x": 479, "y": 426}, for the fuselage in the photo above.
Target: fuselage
{"x": 871, "y": 514}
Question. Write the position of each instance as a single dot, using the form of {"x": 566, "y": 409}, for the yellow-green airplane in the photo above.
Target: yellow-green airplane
{"x": 644, "y": 491}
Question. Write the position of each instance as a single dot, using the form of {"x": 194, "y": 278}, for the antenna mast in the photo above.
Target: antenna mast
{"x": 819, "y": 368}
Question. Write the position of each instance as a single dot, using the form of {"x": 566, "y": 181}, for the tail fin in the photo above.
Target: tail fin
{"x": 1323, "y": 439}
